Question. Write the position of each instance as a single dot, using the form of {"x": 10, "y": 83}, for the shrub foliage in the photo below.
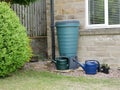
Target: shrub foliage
{"x": 21, "y": 2}
{"x": 15, "y": 48}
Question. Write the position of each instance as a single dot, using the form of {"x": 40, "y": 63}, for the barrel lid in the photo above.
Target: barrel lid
{"x": 67, "y": 21}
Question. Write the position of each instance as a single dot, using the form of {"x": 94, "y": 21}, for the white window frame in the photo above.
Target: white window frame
{"x": 95, "y": 26}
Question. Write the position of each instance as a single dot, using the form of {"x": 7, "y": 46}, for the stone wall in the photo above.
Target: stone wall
{"x": 39, "y": 47}
{"x": 102, "y": 47}
{"x": 48, "y": 28}
{"x": 101, "y": 44}
{"x": 70, "y": 9}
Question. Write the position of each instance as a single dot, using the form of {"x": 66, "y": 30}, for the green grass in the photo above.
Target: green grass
{"x": 37, "y": 80}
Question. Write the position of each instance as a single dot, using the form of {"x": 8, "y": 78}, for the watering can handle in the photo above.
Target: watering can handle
{"x": 60, "y": 57}
{"x": 98, "y": 68}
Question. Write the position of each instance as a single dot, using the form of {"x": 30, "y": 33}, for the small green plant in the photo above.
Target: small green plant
{"x": 105, "y": 68}
{"x": 15, "y": 48}
{"x": 105, "y": 65}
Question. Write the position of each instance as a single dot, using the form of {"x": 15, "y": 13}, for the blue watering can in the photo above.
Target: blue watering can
{"x": 91, "y": 66}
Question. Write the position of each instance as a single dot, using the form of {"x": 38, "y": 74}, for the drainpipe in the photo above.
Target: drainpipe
{"x": 52, "y": 28}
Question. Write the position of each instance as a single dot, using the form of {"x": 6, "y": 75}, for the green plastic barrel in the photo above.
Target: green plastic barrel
{"x": 67, "y": 34}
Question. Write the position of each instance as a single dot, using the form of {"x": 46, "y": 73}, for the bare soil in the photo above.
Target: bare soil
{"x": 49, "y": 66}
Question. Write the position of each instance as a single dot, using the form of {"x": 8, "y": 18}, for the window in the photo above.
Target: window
{"x": 102, "y": 13}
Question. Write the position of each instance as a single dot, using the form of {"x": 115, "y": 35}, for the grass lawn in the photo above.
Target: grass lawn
{"x": 38, "y": 80}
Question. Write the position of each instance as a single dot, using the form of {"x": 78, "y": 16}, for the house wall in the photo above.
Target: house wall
{"x": 98, "y": 44}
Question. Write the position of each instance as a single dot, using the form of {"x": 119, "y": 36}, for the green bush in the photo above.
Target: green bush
{"x": 21, "y": 2}
{"x": 15, "y": 48}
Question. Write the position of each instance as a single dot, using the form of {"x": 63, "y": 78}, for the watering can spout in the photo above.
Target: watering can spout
{"x": 83, "y": 66}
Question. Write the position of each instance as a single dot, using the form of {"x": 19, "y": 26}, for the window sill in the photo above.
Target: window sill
{"x": 102, "y": 26}
{"x": 107, "y": 31}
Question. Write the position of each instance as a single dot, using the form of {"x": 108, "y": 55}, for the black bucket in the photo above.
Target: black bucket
{"x": 62, "y": 63}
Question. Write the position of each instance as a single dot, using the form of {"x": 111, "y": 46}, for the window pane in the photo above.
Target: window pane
{"x": 114, "y": 11}
{"x": 96, "y": 11}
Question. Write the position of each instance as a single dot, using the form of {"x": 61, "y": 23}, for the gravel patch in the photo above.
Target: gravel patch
{"x": 48, "y": 66}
